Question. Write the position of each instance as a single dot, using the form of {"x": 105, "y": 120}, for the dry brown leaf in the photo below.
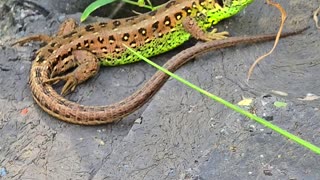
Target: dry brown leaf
{"x": 283, "y": 18}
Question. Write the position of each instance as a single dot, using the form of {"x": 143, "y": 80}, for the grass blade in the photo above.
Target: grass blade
{"x": 262, "y": 121}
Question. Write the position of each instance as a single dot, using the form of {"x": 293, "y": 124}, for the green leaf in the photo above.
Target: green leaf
{"x": 93, "y": 6}
{"x": 279, "y": 104}
{"x": 141, "y": 3}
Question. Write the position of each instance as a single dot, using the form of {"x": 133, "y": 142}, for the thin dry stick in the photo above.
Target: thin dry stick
{"x": 315, "y": 17}
{"x": 283, "y": 18}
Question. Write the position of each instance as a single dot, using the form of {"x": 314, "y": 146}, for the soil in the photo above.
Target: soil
{"x": 179, "y": 134}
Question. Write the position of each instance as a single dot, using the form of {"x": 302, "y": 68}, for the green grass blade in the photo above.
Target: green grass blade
{"x": 262, "y": 121}
{"x": 93, "y": 6}
{"x": 99, "y": 3}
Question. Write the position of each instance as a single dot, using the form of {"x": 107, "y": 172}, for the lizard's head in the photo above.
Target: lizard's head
{"x": 223, "y": 9}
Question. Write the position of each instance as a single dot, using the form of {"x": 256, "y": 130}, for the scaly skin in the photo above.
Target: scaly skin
{"x": 98, "y": 44}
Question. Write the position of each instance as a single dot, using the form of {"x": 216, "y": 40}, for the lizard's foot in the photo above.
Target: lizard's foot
{"x": 214, "y": 34}
{"x": 67, "y": 26}
{"x": 190, "y": 25}
{"x": 87, "y": 65}
{"x": 70, "y": 85}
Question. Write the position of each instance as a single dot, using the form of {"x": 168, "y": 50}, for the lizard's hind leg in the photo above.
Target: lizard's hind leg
{"x": 86, "y": 65}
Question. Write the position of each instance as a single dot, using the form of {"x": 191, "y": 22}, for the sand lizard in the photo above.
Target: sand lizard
{"x": 88, "y": 47}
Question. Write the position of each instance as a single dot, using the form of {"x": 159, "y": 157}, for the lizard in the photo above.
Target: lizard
{"x": 86, "y": 48}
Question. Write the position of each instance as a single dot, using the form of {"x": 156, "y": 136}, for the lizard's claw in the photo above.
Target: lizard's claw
{"x": 214, "y": 34}
{"x": 70, "y": 85}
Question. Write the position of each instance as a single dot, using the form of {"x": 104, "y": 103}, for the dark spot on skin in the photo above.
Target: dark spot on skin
{"x": 41, "y": 59}
{"x": 100, "y": 40}
{"x": 85, "y": 109}
{"x": 69, "y": 35}
{"x": 126, "y": 37}
{"x": 147, "y": 40}
{"x": 49, "y": 69}
{"x": 55, "y": 111}
{"x": 201, "y": 15}
{"x": 91, "y": 42}
{"x": 167, "y": 21}
{"x": 45, "y": 105}
{"x": 117, "y": 49}
{"x": 170, "y": 4}
{"x": 100, "y": 119}
{"x": 194, "y": 4}
{"x": 63, "y": 57}
{"x": 142, "y": 31}
{"x": 155, "y": 26}
{"x": 111, "y": 39}
{"x": 86, "y": 44}
{"x": 178, "y": 15}
{"x": 133, "y": 44}
{"x": 53, "y": 44}
{"x": 50, "y": 50}
{"x": 187, "y": 10}
{"x": 153, "y": 13}
{"x": 59, "y": 101}
{"x": 67, "y": 115}
{"x": 79, "y": 46}
{"x": 89, "y": 28}
{"x": 103, "y": 24}
{"x": 116, "y": 23}
{"x": 201, "y": 2}
{"x": 58, "y": 58}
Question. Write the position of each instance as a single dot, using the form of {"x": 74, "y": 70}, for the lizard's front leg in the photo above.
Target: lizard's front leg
{"x": 191, "y": 26}
{"x": 86, "y": 65}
